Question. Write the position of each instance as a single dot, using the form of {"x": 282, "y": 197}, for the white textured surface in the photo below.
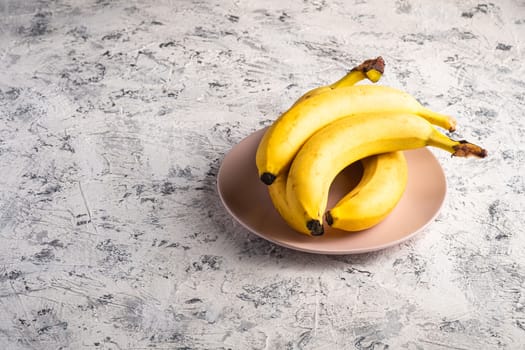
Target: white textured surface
{"x": 115, "y": 116}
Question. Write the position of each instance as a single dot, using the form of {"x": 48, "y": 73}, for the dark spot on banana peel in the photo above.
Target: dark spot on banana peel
{"x": 268, "y": 178}
{"x": 375, "y": 63}
{"x": 315, "y": 227}
{"x": 329, "y": 219}
{"x": 466, "y": 149}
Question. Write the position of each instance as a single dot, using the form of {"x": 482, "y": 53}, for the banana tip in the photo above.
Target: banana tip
{"x": 268, "y": 178}
{"x": 315, "y": 227}
{"x": 453, "y": 125}
{"x": 329, "y": 218}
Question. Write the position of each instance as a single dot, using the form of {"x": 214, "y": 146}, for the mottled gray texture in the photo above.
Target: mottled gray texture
{"x": 115, "y": 116}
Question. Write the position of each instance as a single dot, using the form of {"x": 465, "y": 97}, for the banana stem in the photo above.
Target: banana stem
{"x": 371, "y": 69}
{"x": 465, "y": 149}
{"x": 460, "y": 148}
{"x": 351, "y": 78}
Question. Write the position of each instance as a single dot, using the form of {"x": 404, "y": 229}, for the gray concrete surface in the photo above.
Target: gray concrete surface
{"x": 115, "y": 116}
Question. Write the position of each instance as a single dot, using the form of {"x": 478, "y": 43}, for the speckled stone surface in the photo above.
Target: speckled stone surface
{"x": 115, "y": 116}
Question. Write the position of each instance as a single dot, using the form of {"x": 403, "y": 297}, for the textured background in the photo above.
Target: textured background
{"x": 115, "y": 116}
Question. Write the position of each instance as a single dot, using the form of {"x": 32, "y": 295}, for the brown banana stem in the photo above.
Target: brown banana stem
{"x": 456, "y": 148}
{"x": 359, "y": 73}
{"x": 466, "y": 149}
{"x": 377, "y": 64}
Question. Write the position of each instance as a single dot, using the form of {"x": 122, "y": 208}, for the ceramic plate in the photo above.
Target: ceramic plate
{"x": 246, "y": 199}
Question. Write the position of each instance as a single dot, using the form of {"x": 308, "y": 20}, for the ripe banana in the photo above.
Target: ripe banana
{"x": 349, "y": 139}
{"x": 381, "y": 187}
{"x": 379, "y": 190}
{"x": 277, "y": 192}
{"x": 288, "y": 133}
{"x": 371, "y": 69}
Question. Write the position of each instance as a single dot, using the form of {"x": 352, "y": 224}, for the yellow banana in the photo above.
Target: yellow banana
{"x": 379, "y": 190}
{"x": 347, "y": 140}
{"x": 277, "y": 192}
{"x": 288, "y": 133}
{"x": 370, "y": 69}
{"x": 381, "y": 187}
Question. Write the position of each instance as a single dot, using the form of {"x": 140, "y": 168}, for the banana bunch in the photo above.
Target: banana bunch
{"x": 333, "y": 126}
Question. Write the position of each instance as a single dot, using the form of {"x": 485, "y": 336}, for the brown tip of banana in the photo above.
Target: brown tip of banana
{"x": 453, "y": 124}
{"x": 329, "y": 218}
{"x": 315, "y": 227}
{"x": 268, "y": 178}
{"x": 377, "y": 64}
{"x": 467, "y": 149}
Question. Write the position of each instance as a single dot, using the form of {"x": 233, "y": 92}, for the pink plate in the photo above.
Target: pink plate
{"x": 247, "y": 200}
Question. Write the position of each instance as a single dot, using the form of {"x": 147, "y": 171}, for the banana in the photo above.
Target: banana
{"x": 381, "y": 187}
{"x": 349, "y": 139}
{"x": 288, "y": 133}
{"x": 379, "y": 190}
{"x": 371, "y": 69}
{"x": 277, "y": 192}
